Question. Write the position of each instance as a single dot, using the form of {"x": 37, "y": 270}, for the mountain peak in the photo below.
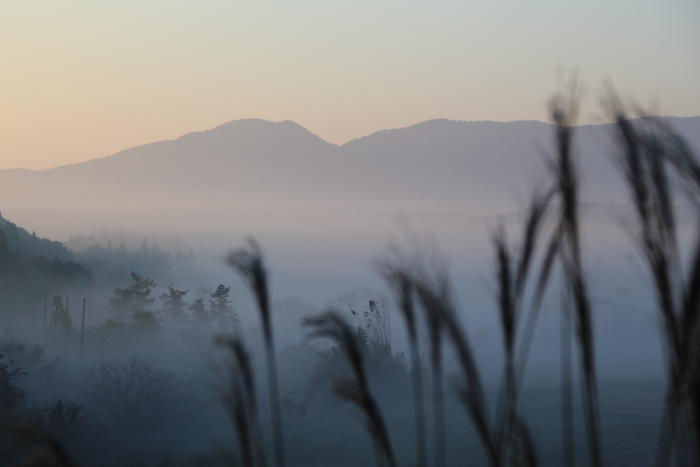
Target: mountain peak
{"x": 255, "y": 129}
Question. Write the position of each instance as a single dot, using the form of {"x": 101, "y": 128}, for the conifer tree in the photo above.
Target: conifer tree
{"x": 199, "y": 312}
{"x": 220, "y": 308}
{"x": 133, "y": 298}
{"x": 173, "y": 305}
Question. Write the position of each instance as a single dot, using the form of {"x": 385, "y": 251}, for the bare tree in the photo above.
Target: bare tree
{"x": 132, "y": 389}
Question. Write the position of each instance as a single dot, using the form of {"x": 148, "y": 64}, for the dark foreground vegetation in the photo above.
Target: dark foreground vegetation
{"x": 136, "y": 390}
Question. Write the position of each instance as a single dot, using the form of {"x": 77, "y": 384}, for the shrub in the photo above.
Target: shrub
{"x": 70, "y": 419}
{"x": 10, "y": 395}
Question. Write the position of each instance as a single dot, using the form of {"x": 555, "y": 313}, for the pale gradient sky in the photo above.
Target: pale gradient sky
{"x": 83, "y": 79}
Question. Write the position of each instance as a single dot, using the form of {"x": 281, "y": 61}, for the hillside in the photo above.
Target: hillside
{"x": 30, "y": 265}
{"x": 22, "y": 243}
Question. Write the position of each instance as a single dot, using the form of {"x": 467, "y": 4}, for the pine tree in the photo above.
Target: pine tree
{"x": 199, "y": 312}
{"x": 173, "y": 305}
{"x": 59, "y": 315}
{"x": 133, "y": 298}
{"x": 220, "y": 308}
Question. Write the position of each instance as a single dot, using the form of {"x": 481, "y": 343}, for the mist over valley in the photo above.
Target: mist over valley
{"x": 171, "y": 212}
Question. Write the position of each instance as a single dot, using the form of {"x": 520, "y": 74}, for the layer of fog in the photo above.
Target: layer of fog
{"x": 323, "y": 226}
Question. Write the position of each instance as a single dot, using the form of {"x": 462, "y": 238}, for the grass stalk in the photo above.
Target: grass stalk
{"x": 397, "y": 274}
{"x": 566, "y": 378}
{"x": 429, "y": 305}
{"x": 648, "y": 150}
{"x": 240, "y": 401}
{"x": 434, "y": 293}
{"x": 512, "y": 271}
{"x": 564, "y": 110}
{"x": 333, "y": 326}
{"x": 248, "y": 262}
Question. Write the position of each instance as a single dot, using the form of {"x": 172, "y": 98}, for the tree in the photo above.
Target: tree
{"x": 144, "y": 321}
{"x": 59, "y": 315}
{"x": 220, "y": 308}
{"x": 173, "y": 304}
{"x": 4, "y": 249}
{"x": 130, "y": 390}
{"x": 10, "y": 395}
{"x": 70, "y": 419}
{"x": 199, "y": 312}
{"x": 57, "y": 304}
{"x": 133, "y": 298}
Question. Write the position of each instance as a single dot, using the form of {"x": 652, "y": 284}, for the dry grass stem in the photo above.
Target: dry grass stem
{"x": 333, "y": 326}
{"x": 397, "y": 273}
{"x": 248, "y": 262}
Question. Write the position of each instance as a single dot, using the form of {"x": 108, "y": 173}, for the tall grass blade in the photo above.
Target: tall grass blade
{"x": 430, "y": 305}
{"x": 398, "y": 275}
{"x": 434, "y": 293}
{"x": 248, "y": 262}
{"x": 512, "y": 271}
{"x": 564, "y": 110}
{"x": 240, "y": 400}
{"x": 333, "y": 326}
{"x": 648, "y": 147}
{"x": 567, "y": 397}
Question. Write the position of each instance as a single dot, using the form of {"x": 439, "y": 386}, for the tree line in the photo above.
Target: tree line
{"x": 134, "y": 299}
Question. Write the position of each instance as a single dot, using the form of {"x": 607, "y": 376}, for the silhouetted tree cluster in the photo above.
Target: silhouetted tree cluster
{"x": 219, "y": 310}
{"x": 109, "y": 265}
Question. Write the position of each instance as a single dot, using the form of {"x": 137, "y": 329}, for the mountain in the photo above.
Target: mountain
{"x": 254, "y": 174}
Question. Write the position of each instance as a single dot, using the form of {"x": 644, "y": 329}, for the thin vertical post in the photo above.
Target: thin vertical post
{"x": 34, "y": 314}
{"x": 82, "y": 332}
{"x": 567, "y": 417}
{"x": 45, "y": 303}
{"x": 54, "y": 331}
{"x": 66, "y": 342}
{"x": 9, "y": 311}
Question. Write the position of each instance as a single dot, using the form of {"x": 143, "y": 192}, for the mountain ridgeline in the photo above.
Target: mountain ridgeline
{"x": 249, "y": 169}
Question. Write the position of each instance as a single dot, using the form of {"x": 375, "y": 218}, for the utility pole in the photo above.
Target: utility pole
{"x": 66, "y": 343}
{"x": 82, "y": 332}
{"x": 54, "y": 331}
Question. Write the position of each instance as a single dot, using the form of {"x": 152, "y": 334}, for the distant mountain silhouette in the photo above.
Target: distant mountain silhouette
{"x": 255, "y": 166}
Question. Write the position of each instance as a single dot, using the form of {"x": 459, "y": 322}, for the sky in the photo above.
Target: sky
{"x": 85, "y": 79}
